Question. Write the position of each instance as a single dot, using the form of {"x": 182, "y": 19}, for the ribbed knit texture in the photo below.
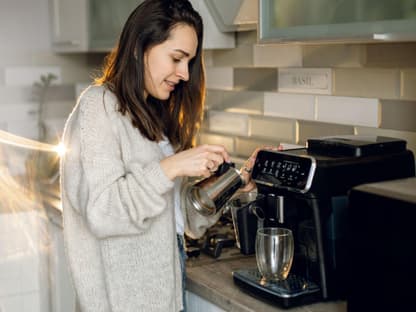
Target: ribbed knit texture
{"x": 119, "y": 226}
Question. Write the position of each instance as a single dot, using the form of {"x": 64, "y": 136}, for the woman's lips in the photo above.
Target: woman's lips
{"x": 171, "y": 85}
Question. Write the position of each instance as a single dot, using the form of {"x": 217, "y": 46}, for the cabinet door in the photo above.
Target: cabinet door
{"x": 234, "y": 15}
{"x": 213, "y": 37}
{"x": 106, "y": 20}
{"x": 69, "y": 25}
{"x": 341, "y": 20}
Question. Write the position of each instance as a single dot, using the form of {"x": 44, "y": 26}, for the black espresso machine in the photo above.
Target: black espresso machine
{"x": 306, "y": 190}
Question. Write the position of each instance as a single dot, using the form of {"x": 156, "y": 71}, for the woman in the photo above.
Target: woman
{"x": 130, "y": 143}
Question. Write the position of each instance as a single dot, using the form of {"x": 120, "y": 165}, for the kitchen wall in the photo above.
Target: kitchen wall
{"x": 25, "y": 55}
{"x": 268, "y": 94}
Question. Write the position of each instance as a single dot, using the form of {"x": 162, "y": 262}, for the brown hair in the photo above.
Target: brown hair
{"x": 180, "y": 116}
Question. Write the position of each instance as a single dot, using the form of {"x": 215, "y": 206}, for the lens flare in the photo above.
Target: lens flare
{"x": 29, "y": 182}
{"x": 18, "y": 141}
{"x": 60, "y": 149}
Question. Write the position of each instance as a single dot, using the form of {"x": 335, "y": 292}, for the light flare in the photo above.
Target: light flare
{"x": 18, "y": 141}
{"x": 28, "y": 191}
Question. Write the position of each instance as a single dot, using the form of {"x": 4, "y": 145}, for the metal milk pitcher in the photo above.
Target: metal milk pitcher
{"x": 209, "y": 195}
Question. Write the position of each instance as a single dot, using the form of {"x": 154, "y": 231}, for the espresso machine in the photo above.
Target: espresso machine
{"x": 306, "y": 190}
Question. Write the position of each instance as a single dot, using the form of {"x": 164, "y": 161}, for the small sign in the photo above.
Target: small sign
{"x": 305, "y": 80}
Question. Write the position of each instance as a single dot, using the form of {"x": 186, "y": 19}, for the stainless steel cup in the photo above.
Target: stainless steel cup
{"x": 209, "y": 195}
{"x": 274, "y": 252}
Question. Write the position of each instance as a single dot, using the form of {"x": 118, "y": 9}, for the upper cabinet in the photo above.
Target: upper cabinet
{"x": 94, "y": 25}
{"x": 341, "y": 20}
{"x": 234, "y": 15}
{"x": 106, "y": 20}
{"x": 214, "y": 38}
{"x": 88, "y": 25}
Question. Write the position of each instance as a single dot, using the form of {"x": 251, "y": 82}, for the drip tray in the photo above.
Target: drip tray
{"x": 295, "y": 290}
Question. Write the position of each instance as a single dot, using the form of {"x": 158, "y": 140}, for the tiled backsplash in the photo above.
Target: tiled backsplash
{"x": 273, "y": 93}
{"x": 366, "y": 89}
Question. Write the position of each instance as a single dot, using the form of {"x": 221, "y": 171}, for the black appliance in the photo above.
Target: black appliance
{"x": 382, "y": 246}
{"x": 307, "y": 191}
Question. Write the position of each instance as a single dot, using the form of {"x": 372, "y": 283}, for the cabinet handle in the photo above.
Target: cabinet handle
{"x": 67, "y": 42}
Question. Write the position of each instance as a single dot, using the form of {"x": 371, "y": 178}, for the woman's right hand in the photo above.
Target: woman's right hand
{"x": 202, "y": 160}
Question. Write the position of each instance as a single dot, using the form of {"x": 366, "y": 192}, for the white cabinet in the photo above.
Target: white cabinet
{"x": 88, "y": 25}
{"x": 69, "y": 25}
{"x": 213, "y": 37}
{"x": 234, "y": 15}
{"x": 23, "y": 259}
{"x": 196, "y": 303}
{"x": 94, "y": 25}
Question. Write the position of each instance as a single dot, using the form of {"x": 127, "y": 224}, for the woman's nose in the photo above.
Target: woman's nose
{"x": 183, "y": 72}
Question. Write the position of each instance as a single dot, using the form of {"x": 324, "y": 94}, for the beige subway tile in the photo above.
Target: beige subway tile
{"x": 229, "y": 123}
{"x": 245, "y": 146}
{"x": 19, "y": 112}
{"x": 307, "y": 129}
{"x": 408, "y": 84}
{"x": 246, "y": 37}
{"x": 58, "y": 108}
{"x": 74, "y": 67}
{"x": 305, "y": 80}
{"x": 296, "y": 106}
{"x": 209, "y": 138}
{"x": 348, "y": 110}
{"x": 381, "y": 83}
{"x": 337, "y": 55}
{"x": 239, "y": 56}
{"x": 246, "y": 102}
{"x": 28, "y": 75}
{"x": 219, "y": 77}
{"x": 15, "y": 94}
{"x": 214, "y": 99}
{"x": 398, "y": 115}
{"x": 238, "y": 161}
{"x": 273, "y": 128}
{"x": 208, "y": 58}
{"x": 391, "y": 55}
{"x": 259, "y": 79}
{"x": 2, "y": 77}
{"x": 409, "y": 137}
{"x": 275, "y": 55}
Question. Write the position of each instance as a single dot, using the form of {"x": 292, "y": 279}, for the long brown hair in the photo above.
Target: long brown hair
{"x": 180, "y": 116}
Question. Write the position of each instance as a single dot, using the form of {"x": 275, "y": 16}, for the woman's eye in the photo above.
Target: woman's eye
{"x": 176, "y": 60}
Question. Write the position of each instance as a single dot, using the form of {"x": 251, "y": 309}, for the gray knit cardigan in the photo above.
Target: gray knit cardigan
{"x": 119, "y": 220}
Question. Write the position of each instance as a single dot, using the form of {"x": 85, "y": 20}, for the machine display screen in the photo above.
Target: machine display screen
{"x": 282, "y": 170}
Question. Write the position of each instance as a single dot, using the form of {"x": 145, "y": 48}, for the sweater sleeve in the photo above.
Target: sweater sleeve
{"x": 116, "y": 197}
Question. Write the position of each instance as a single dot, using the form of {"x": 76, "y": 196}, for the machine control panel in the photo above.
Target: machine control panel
{"x": 283, "y": 170}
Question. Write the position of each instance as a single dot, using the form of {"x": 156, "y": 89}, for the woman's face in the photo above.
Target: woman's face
{"x": 166, "y": 64}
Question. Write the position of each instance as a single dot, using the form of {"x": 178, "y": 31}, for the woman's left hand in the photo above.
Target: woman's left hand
{"x": 247, "y": 168}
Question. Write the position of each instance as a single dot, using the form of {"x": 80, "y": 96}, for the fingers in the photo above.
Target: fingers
{"x": 199, "y": 161}
{"x": 248, "y": 166}
{"x": 218, "y": 150}
{"x": 214, "y": 156}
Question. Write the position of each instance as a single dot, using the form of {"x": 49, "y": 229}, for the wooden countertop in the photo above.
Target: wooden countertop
{"x": 212, "y": 280}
